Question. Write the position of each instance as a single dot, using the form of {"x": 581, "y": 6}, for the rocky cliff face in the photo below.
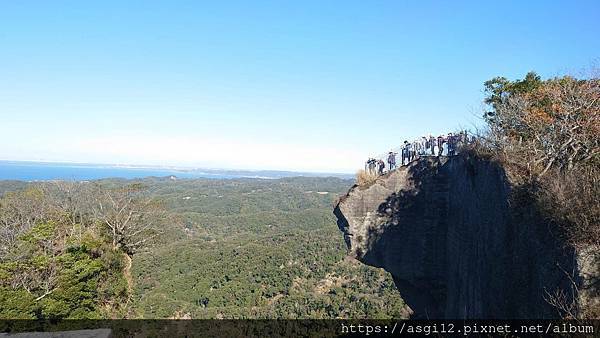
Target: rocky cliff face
{"x": 445, "y": 230}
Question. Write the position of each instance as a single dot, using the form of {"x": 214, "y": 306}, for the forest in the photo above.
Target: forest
{"x": 183, "y": 248}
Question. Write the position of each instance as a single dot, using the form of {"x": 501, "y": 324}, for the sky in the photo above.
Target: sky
{"x": 304, "y": 85}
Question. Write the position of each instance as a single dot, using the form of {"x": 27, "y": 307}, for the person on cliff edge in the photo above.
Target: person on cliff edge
{"x": 392, "y": 160}
{"x": 440, "y": 144}
{"x": 404, "y": 152}
{"x": 381, "y": 166}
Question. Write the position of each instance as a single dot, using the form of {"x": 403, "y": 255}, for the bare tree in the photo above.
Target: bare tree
{"x": 70, "y": 200}
{"x": 554, "y": 126}
{"x": 548, "y": 136}
{"x": 132, "y": 218}
{"x": 19, "y": 212}
{"x": 72, "y": 205}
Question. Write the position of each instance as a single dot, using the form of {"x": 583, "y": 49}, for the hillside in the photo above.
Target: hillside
{"x": 239, "y": 248}
{"x": 257, "y": 249}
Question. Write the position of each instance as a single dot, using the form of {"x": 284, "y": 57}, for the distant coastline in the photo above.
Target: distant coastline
{"x": 46, "y": 170}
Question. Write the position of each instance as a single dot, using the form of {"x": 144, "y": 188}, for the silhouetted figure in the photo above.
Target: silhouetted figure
{"x": 391, "y": 160}
{"x": 371, "y": 166}
{"x": 405, "y": 152}
{"x": 440, "y": 144}
{"x": 381, "y": 166}
{"x": 432, "y": 142}
{"x": 451, "y": 144}
{"x": 423, "y": 146}
{"x": 410, "y": 152}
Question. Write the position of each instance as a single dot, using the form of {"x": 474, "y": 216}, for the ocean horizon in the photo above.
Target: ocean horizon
{"x": 46, "y": 171}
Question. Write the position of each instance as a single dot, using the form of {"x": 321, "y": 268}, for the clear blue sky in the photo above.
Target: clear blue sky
{"x": 305, "y": 85}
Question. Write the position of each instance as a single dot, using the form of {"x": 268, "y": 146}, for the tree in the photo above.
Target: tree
{"x": 542, "y": 128}
{"x": 19, "y": 212}
{"x": 547, "y": 135}
{"x": 132, "y": 218}
{"x": 541, "y": 125}
{"x": 71, "y": 200}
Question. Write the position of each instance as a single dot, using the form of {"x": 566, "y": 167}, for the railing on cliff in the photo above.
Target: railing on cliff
{"x": 443, "y": 145}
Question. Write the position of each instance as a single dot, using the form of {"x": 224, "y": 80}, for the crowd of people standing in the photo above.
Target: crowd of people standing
{"x": 442, "y": 145}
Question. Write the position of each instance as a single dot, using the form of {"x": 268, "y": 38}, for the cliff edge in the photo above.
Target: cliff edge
{"x": 456, "y": 246}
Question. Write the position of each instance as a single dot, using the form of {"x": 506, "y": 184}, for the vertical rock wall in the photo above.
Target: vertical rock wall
{"x": 444, "y": 229}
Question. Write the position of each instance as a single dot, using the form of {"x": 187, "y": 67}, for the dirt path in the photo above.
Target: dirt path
{"x": 127, "y": 274}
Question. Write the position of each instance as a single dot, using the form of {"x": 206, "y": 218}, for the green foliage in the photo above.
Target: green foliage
{"x": 11, "y": 185}
{"x": 546, "y": 135}
{"x": 40, "y": 233}
{"x": 499, "y": 87}
{"x": 246, "y": 248}
{"x": 258, "y": 249}
{"x": 45, "y": 278}
{"x": 17, "y": 304}
{"x": 545, "y": 124}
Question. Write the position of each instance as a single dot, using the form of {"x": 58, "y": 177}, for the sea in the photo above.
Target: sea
{"x": 45, "y": 171}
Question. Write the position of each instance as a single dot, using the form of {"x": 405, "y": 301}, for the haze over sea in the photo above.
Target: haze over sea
{"x": 41, "y": 171}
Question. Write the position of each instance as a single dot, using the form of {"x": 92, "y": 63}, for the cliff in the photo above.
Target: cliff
{"x": 457, "y": 248}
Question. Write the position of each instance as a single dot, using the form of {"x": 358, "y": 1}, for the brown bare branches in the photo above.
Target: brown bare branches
{"x": 132, "y": 218}
{"x": 547, "y": 133}
{"x": 554, "y": 126}
{"x": 20, "y": 211}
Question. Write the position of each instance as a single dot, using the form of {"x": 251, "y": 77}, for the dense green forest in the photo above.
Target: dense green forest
{"x": 240, "y": 248}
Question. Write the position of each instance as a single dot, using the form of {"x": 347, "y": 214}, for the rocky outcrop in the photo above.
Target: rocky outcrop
{"x": 456, "y": 247}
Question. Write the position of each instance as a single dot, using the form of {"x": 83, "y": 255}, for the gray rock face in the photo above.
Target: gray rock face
{"x": 444, "y": 229}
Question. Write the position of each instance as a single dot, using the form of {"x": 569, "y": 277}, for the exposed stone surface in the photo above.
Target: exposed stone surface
{"x": 444, "y": 229}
